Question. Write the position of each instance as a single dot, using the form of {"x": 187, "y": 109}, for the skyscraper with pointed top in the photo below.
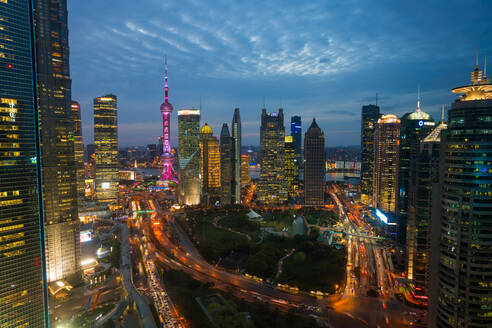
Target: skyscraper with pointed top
{"x": 167, "y": 158}
{"x": 226, "y": 157}
{"x": 415, "y": 126}
{"x": 314, "y": 165}
{"x": 236, "y": 152}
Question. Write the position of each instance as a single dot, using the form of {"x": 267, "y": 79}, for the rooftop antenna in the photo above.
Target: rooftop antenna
{"x": 418, "y": 98}
{"x": 476, "y": 60}
{"x": 263, "y": 101}
{"x": 280, "y": 101}
{"x": 166, "y": 96}
{"x": 442, "y": 113}
{"x": 376, "y": 98}
{"x": 200, "y": 104}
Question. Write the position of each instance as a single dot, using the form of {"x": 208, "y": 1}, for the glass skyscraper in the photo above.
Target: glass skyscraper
{"x": 465, "y": 269}
{"x": 236, "y": 153}
{"x": 106, "y": 148}
{"x": 189, "y": 156}
{"x": 272, "y": 187}
{"x": 314, "y": 165}
{"x": 79, "y": 151}
{"x": 415, "y": 126}
{"x": 210, "y": 168}
{"x": 296, "y": 133}
{"x": 291, "y": 167}
{"x": 226, "y": 164}
{"x": 370, "y": 116}
{"x": 386, "y": 159}
{"x": 23, "y": 283}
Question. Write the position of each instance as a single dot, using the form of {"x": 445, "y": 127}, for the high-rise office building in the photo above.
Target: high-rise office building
{"x": 226, "y": 165}
{"x": 423, "y": 184}
{"x": 167, "y": 158}
{"x": 23, "y": 283}
{"x": 272, "y": 187}
{"x": 314, "y": 165}
{"x": 245, "y": 178}
{"x": 296, "y": 133}
{"x": 236, "y": 152}
{"x": 415, "y": 126}
{"x": 291, "y": 167}
{"x": 370, "y": 116}
{"x": 189, "y": 156}
{"x": 386, "y": 163}
{"x": 60, "y": 192}
{"x": 210, "y": 166}
{"x": 465, "y": 271}
{"x": 106, "y": 148}
{"x": 79, "y": 151}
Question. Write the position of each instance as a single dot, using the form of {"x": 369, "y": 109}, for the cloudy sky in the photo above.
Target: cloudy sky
{"x": 322, "y": 59}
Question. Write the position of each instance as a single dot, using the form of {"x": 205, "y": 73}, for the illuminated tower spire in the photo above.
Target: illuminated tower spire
{"x": 418, "y": 98}
{"x": 167, "y": 158}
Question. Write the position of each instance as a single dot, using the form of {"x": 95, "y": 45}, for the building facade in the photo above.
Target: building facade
{"x": 23, "y": 286}
{"x": 210, "y": 166}
{"x": 291, "y": 167}
{"x": 236, "y": 152}
{"x": 423, "y": 182}
{"x": 189, "y": 156}
{"x": 415, "y": 126}
{"x": 245, "y": 178}
{"x": 296, "y": 133}
{"x": 386, "y": 163}
{"x": 314, "y": 165}
{"x": 106, "y": 148}
{"x": 272, "y": 186}
{"x": 79, "y": 151}
{"x": 464, "y": 273}
{"x": 370, "y": 116}
{"x": 226, "y": 157}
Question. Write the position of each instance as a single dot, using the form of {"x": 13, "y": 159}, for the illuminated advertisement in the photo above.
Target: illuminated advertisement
{"x": 381, "y": 216}
{"x": 85, "y": 236}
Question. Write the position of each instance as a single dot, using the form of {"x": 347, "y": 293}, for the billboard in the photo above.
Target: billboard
{"x": 85, "y": 236}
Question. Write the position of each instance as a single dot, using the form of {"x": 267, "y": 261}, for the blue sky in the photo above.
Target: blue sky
{"x": 322, "y": 59}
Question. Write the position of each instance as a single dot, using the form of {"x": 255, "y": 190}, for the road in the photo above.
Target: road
{"x": 364, "y": 252}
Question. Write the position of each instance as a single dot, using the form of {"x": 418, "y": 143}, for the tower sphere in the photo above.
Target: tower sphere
{"x": 166, "y": 107}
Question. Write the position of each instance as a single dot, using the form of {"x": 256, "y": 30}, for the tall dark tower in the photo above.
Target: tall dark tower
{"x": 167, "y": 158}
{"x": 236, "y": 149}
{"x": 23, "y": 283}
{"x": 314, "y": 165}
{"x": 296, "y": 133}
{"x": 226, "y": 157}
{"x": 415, "y": 126}
{"x": 465, "y": 271}
{"x": 57, "y": 139}
{"x": 79, "y": 151}
{"x": 370, "y": 116}
{"x": 272, "y": 187}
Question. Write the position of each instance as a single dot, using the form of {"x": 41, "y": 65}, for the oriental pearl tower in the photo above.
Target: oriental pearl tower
{"x": 167, "y": 158}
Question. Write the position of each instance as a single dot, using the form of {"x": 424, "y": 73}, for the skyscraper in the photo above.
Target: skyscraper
{"x": 79, "y": 151}
{"x": 291, "y": 167}
{"x": 236, "y": 151}
{"x": 245, "y": 178}
{"x": 370, "y": 116}
{"x": 465, "y": 272}
{"x": 314, "y": 165}
{"x": 415, "y": 126}
{"x": 57, "y": 139}
{"x": 210, "y": 166}
{"x": 189, "y": 156}
{"x": 423, "y": 184}
{"x": 23, "y": 283}
{"x": 386, "y": 162}
{"x": 272, "y": 187}
{"x": 106, "y": 148}
{"x": 226, "y": 165}
{"x": 167, "y": 158}
{"x": 296, "y": 133}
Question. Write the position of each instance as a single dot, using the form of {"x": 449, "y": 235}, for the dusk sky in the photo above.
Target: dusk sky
{"x": 322, "y": 59}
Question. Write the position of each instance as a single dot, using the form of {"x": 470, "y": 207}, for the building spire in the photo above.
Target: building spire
{"x": 376, "y": 98}
{"x": 418, "y": 98}
{"x": 166, "y": 89}
{"x": 442, "y": 113}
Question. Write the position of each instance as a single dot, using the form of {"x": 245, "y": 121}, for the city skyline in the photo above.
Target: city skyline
{"x": 307, "y": 85}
